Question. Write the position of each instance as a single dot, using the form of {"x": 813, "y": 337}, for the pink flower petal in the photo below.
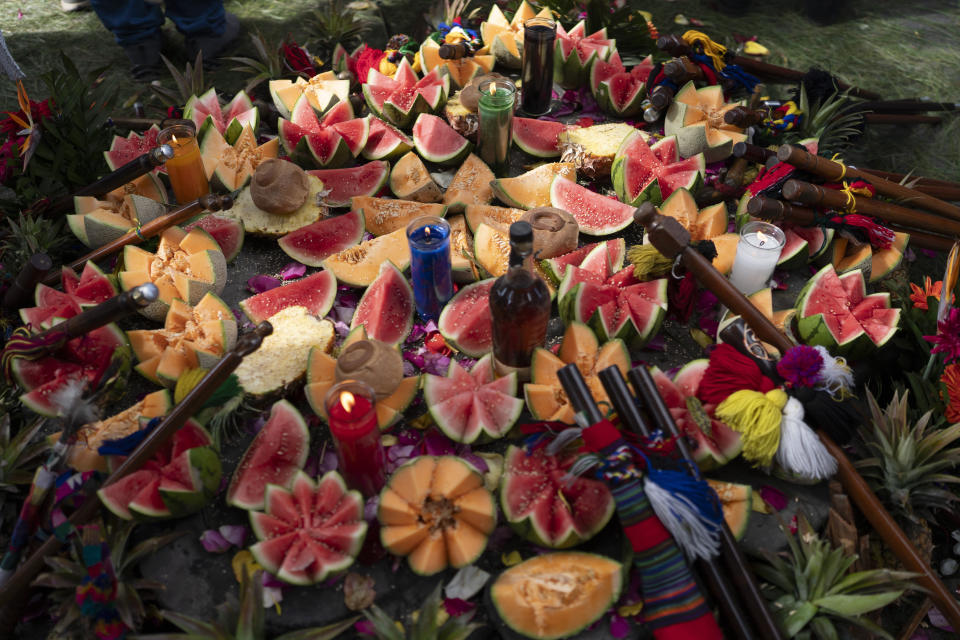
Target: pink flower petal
{"x": 619, "y": 627}
{"x": 214, "y": 542}
{"x": 261, "y": 283}
{"x": 774, "y": 497}
{"x": 235, "y": 534}
{"x": 457, "y": 607}
{"x": 364, "y": 628}
{"x": 293, "y": 270}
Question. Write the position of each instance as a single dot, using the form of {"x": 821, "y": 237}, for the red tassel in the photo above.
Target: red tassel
{"x": 730, "y": 371}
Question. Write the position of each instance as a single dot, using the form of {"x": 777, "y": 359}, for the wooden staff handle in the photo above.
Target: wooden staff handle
{"x": 21, "y": 289}
{"x": 248, "y": 343}
{"x": 930, "y": 186}
{"x": 661, "y": 97}
{"x": 834, "y": 171}
{"x": 775, "y": 210}
{"x": 664, "y": 237}
{"x": 772, "y": 71}
{"x": 812, "y": 194}
{"x": 752, "y": 152}
{"x": 208, "y": 202}
{"x": 108, "y": 311}
{"x": 735, "y": 173}
{"x": 900, "y": 118}
{"x": 744, "y": 117}
{"x": 673, "y": 44}
{"x": 455, "y": 51}
{"x": 710, "y": 570}
{"x": 682, "y": 69}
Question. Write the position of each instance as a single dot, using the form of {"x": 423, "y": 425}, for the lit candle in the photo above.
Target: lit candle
{"x": 352, "y": 416}
{"x": 496, "y": 120}
{"x": 757, "y": 254}
{"x": 430, "y": 268}
{"x": 185, "y": 169}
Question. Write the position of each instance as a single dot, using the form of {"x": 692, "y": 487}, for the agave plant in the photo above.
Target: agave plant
{"x": 19, "y": 457}
{"x": 829, "y": 121}
{"x": 186, "y": 84}
{"x": 66, "y": 574}
{"x": 909, "y": 465}
{"x": 812, "y": 590}
{"x": 268, "y": 65}
{"x": 333, "y": 24}
{"x": 426, "y": 626}
{"x": 242, "y": 621}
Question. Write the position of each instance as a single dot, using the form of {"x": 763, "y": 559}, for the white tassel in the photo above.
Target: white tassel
{"x": 836, "y": 375}
{"x": 562, "y": 439}
{"x": 801, "y": 451}
{"x": 697, "y": 536}
{"x": 70, "y": 404}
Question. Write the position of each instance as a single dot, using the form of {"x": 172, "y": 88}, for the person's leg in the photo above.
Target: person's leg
{"x": 136, "y": 26}
{"x": 205, "y": 24}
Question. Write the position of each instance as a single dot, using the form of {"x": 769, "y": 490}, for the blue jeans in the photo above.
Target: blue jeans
{"x": 132, "y": 21}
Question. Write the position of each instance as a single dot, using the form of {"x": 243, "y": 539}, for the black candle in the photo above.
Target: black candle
{"x": 537, "y": 75}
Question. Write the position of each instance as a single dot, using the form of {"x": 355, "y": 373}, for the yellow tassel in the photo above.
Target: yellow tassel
{"x": 416, "y": 62}
{"x": 648, "y": 262}
{"x": 711, "y": 49}
{"x": 757, "y": 417}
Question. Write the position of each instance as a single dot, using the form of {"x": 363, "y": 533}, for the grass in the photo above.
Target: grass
{"x": 897, "y": 49}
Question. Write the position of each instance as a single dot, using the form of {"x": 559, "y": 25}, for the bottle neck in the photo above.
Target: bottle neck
{"x": 517, "y": 257}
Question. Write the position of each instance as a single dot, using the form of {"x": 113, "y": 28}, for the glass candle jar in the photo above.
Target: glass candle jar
{"x": 185, "y": 169}
{"x": 352, "y": 416}
{"x": 431, "y": 271}
{"x": 495, "y": 111}
{"x": 757, "y": 255}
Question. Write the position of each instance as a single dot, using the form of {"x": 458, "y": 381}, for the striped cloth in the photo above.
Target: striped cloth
{"x": 673, "y": 606}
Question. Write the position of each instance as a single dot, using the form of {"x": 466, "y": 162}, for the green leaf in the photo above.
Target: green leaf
{"x": 824, "y": 629}
{"x": 795, "y": 619}
{"x": 250, "y": 623}
{"x": 321, "y": 633}
{"x": 384, "y": 625}
{"x": 426, "y": 625}
{"x": 195, "y": 626}
{"x": 856, "y": 605}
{"x": 148, "y": 547}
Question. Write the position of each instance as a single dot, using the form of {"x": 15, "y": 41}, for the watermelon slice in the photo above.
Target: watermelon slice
{"x": 315, "y": 293}
{"x": 400, "y": 99}
{"x": 537, "y": 137}
{"x": 329, "y": 142}
{"x": 836, "y": 312}
{"x": 276, "y": 454}
{"x": 643, "y": 173}
{"x": 123, "y": 150}
{"x": 316, "y": 242}
{"x": 465, "y": 321}
{"x": 228, "y": 233}
{"x": 467, "y": 406}
{"x": 386, "y": 308}
{"x": 91, "y": 287}
{"x": 343, "y": 184}
{"x": 616, "y": 251}
{"x": 436, "y": 141}
{"x": 596, "y": 214}
{"x": 575, "y": 52}
{"x": 619, "y": 92}
{"x": 544, "y": 505}
{"x": 385, "y": 141}
{"x": 229, "y": 120}
{"x": 178, "y": 480}
{"x": 311, "y": 531}
{"x": 713, "y": 444}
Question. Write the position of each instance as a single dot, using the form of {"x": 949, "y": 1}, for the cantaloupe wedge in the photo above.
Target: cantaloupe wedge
{"x": 386, "y": 215}
{"x": 875, "y": 264}
{"x": 702, "y": 224}
{"x": 696, "y": 118}
{"x": 96, "y": 221}
{"x": 461, "y": 250}
{"x": 499, "y": 218}
{"x": 437, "y": 512}
{"x": 461, "y": 71}
{"x": 504, "y": 39}
{"x": 230, "y": 167}
{"x": 191, "y": 337}
{"x": 186, "y": 266}
{"x": 726, "y": 245}
{"x": 470, "y": 185}
{"x": 410, "y": 180}
{"x": 358, "y": 266}
{"x": 532, "y": 189}
{"x": 323, "y": 91}
{"x": 491, "y": 249}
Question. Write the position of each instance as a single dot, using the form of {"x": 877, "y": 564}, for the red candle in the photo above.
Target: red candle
{"x": 352, "y": 416}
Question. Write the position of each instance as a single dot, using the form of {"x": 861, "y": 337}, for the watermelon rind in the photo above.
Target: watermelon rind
{"x": 402, "y": 143}
{"x": 454, "y": 328}
{"x": 315, "y": 293}
{"x": 535, "y": 137}
{"x": 628, "y": 156}
{"x": 795, "y": 255}
{"x": 228, "y": 232}
{"x": 585, "y": 206}
{"x": 426, "y": 145}
{"x": 568, "y": 70}
{"x": 375, "y": 324}
{"x": 343, "y": 184}
{"x": 295, "y": 427}
{"x": 303, "y": 245}
{"x": 206, "y": 472}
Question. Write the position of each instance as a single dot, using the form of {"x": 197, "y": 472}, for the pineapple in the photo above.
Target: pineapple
{"x": 430, "y": 623}
{"x": 592, "y": 148}
{"x": 811, "y": 587}
{"x": 908, "y": 464}
{"x": 463, "y": 120}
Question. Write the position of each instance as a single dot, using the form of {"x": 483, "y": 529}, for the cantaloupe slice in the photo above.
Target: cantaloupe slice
{"x": 386, "y": 215}
{"x": 230, "y": 167}
{"x": 500, "y": 218}
{"x": 359, "y": 265}
{"x": 323, "y": 91}
{"x": 532, "y": 189}
{"x": 191, "y": 337}
{"x": 504, "y": 39}
{"x": 186, "y": 266}
{"x": 702, "y": 224}
{"x": 437, "y": 512}
{"x": 696, "y": 118}
{"x": 736, "y": 501}
{"x": 410, "y": 180}
{"x": 96, "y": 221}
{"x": 544, "y": 394}
{"x": 470, "y": 185}
{"x": 461, "y": 250}
{"x": 460, "y": 71}
{"x": 876, "y": 264}
{"x": 726, "y": 246}
{"x": 491, "y": 250}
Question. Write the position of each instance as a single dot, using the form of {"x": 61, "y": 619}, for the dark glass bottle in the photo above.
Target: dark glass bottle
{"x": 519, "y": 307}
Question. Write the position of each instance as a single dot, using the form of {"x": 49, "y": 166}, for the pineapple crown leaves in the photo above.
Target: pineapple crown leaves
{"x": 333, "y": 24}
{"x": 268, "y": 65}
{"x": 66, "y": 574}
{"x": 242, "y": 621}
{"x": 909, "y": 462}
{"x": 829, "y": 121}
{"x": 427, "y": 624}
{"x": 811, "y": 586}
{"x": 189, "y": 83}
{"x": 19, "y": 454}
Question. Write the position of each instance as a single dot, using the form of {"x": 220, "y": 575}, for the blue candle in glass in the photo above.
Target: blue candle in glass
{"x": 430, "y": 268}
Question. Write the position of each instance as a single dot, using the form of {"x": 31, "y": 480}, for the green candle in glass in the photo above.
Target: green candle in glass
{"x": 496, "y": 119}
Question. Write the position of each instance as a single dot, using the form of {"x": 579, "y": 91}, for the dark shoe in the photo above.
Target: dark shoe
{"x": 213, "y": 45}
{"x": 145, "y": 58}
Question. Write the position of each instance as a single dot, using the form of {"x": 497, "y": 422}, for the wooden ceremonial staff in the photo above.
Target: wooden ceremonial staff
{"x": 672, "y": 240}
{"x": 942, "y": 189}
{"x": 106, "y": 312}
{"x": 710, "y": 570}
{"x": 13, "y": 592}
{"x": 21, "y": 289}
{"x": 834, "y": 172}
{"x": 208, "y": 202}
{"x": 779, "y": 211}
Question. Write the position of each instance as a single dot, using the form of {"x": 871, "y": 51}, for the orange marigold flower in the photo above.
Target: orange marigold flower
{"x": 919, "y": 296}
{"x": 951, "y": 380}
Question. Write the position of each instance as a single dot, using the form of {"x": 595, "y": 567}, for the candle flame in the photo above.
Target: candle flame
{"x": 175, "y": 141}
{"x": 426, "y": 230}
{"x": 493, "y": 88}
{"x": 762, "y": 237}
{"x": 347, "y": 400}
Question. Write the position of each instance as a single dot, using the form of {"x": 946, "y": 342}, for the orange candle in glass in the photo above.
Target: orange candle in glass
{"x": 185, "y": 169}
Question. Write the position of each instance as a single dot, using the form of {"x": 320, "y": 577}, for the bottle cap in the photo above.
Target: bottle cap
{"x": 521, "y": 237}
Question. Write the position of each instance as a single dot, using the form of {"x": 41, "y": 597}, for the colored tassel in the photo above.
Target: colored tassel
{"x": 23, "y": 344}
{"x": 801, "y": 452}
{"x": 730, "y": 371}
{"x": 836, "y": 377}
{"x": 757, "y": 417}
{"x": 713, "y": 50}
{"x": 685, "y": 508}
{"x": 648, "y": 263}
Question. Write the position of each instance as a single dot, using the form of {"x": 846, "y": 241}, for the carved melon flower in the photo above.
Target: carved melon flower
{"x": 951, "y": 382}
{"x": 930, "y": 290}
{"x": 947, "y": 340}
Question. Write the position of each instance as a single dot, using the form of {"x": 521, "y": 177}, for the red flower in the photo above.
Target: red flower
{"x": 38, "y": 111}
{"x": 951, "y": 382}
{"x": 947, "y": 340}
{"x": 368, "y": 58}
{"x": 297, "y": 58}
{"x": 919, "y": 296}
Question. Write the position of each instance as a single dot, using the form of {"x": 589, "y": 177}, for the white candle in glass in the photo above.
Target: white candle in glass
{"x": 757, "y": 254}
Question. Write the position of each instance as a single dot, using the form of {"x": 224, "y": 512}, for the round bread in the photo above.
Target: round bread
{"x": 555, "y": 231}
{"x": 279, "y": 187}
{"x": 374, "y": 362}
